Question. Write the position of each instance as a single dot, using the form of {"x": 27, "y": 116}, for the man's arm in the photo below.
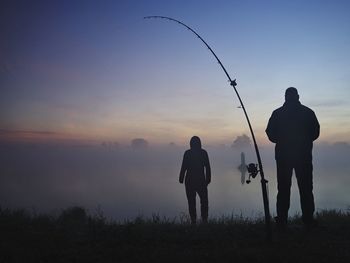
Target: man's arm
{"x": 315, "y": 128}
{"x": 183, "y": 168}
{"x": 207, "y": 168}
{"x": 271, "y": 129}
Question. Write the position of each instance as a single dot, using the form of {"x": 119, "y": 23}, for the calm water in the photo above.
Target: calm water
{"x": 125, "y": 182}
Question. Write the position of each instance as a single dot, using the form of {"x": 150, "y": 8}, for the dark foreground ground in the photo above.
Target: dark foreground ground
{"x": 75, "y": 236}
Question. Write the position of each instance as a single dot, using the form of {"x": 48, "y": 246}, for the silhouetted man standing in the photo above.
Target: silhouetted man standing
{"x": 196, "y": 171}
{"x": 294, "y": 127}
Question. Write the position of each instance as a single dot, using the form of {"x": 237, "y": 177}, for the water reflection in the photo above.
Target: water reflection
{"x": 126, "y": 182}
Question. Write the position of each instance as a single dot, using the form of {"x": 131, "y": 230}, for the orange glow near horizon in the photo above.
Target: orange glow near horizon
{"x": 153, "y": 136}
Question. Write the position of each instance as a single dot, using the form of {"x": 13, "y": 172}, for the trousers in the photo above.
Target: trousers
{"x": 303, "y": 172}
{"x": 202, "y": 191}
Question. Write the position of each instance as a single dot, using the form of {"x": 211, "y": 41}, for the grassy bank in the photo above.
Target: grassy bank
{"x": 75, "y": 236}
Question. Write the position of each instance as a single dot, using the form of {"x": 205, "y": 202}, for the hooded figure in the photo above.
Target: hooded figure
{"x": 195, "y": 170}
{"x": 293, "y": 128}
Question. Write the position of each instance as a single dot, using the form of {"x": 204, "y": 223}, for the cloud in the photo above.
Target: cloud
{"x": 26, "y": 132}
{"x": 42, "y": 137}
{"x": 327, "y": 103}
{"x": 342, "y": 145}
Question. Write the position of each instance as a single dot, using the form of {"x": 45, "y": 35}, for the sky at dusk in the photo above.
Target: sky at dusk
{"x": 95, "y": 71}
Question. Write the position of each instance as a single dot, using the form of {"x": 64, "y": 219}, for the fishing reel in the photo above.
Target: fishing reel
{"x": 252, "y": 171}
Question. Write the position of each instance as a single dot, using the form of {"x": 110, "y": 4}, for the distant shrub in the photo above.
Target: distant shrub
{"x": 73, "y": 216}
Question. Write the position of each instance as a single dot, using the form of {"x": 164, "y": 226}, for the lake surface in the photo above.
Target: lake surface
{"x": 125, "y": 182}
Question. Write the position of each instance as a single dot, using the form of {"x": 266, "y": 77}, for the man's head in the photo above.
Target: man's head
{"x": 291, "y": 94}
{"x": 195, "y": 143}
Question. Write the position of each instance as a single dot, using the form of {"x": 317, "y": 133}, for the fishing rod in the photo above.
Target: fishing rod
{"x": 252, "y": 168}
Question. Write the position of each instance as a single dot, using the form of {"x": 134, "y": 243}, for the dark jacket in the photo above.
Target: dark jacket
{"x": 293, "y": 127}
{"x": 194, "y": 162}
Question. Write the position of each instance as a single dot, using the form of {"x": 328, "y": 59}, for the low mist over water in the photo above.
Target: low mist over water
{"x": 129, "y": 181}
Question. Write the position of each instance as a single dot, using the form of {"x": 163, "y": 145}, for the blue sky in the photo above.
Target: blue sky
{"x": 96, "y": 70}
